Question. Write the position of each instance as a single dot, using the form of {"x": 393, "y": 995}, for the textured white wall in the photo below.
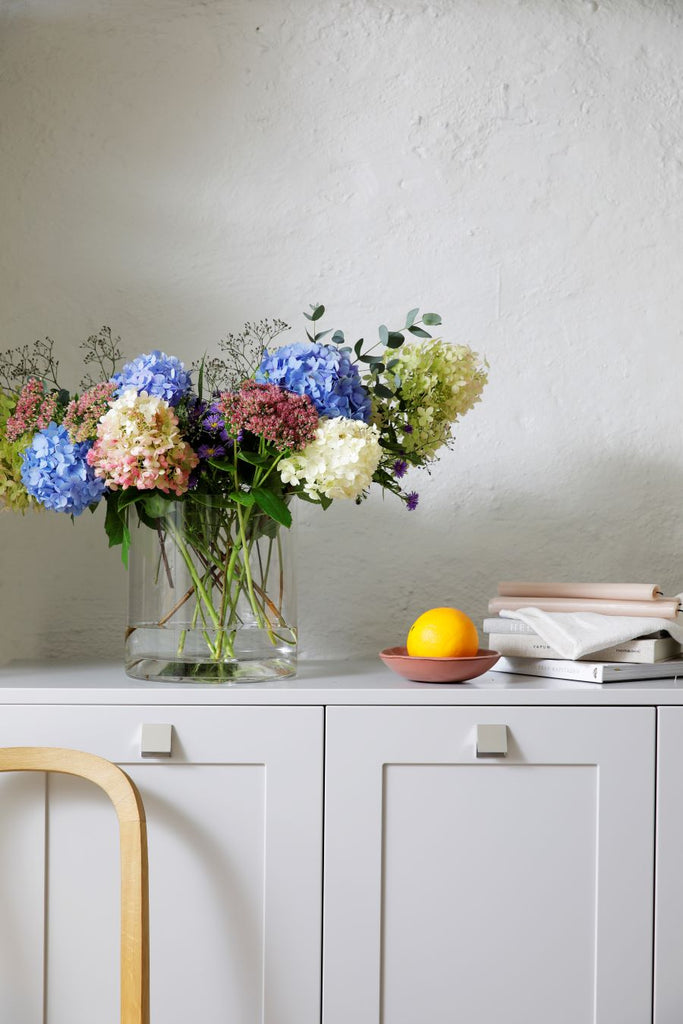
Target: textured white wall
{"x": 175, "y": 167}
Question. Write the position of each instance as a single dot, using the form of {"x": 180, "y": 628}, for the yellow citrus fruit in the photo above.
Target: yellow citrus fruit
{"x": 443, "y": 633}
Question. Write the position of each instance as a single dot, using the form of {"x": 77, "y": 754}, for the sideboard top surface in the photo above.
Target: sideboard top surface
{"x": 355, "y": 681}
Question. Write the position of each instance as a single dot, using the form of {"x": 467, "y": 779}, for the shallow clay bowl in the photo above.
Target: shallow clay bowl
{"x": 438, "y": 670}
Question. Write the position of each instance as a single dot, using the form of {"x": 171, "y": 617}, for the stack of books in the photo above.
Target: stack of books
{"x": 653, "y": 654}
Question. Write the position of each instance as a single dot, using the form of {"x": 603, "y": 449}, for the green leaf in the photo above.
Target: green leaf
{"x": 369, "y": 359}
{"x": 253, "y": 458}
{"x": 338, "y": 338}
{"x": 209, "y": 500}
{"x": 322, "y": 334}
{"x": 222, "y": 464}
{"x": 245, "y": 498}
{"x": 392, "y": 363}
{"x": 325, "y": 501}
{"x": 383, "y": 392}
{"x": 200, "y": 378}
{"x": 395, "y": 340}
{"x": 157, "y": 506}
{"x": 410, "y": 318}
{"x": 272, "y": 505}
{"x": 383, "y": 334}
{"x": 125, "y": 545}
{"x": 113, "y": 521}
{"x": 128, "y": 497}
{"x": 418, "y": 332}
{"x": 317, "y": 312}
{"x": 358, "y": 347}
{"x": 309, "y": 335}
{"x": 431, "y": 319}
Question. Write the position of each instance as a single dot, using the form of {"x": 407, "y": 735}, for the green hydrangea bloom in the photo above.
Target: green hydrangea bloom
{"x": 13, "y": 494}
{"x": 439, "y": 384}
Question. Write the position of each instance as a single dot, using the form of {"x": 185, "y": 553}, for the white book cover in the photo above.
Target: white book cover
{"x": 590, "y": 671}
{"x": 522, "y": 645}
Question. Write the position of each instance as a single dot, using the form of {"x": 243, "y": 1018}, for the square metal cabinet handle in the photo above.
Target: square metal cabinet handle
{"x": 156, "y": 740}
{"x": 492, "y": 740}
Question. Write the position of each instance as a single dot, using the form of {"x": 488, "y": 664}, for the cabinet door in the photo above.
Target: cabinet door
{"x": 668, "y": 1001}
{"x": 235, "y": 837}
{"x": 463, "y": 889}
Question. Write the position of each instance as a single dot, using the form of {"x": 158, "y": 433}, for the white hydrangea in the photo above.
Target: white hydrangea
{"x": 338, "y": 463}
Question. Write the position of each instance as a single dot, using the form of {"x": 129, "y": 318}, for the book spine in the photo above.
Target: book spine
{"x": 632, "y": 652}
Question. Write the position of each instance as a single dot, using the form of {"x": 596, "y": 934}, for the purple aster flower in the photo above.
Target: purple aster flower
{"x": 213, "y": 422}
{"x": 407, "y": 429}
{"x": 411, "y": 500}
{"x": 210, "y": 451}
{"x": 55, "y": 472}
{"x": 323, "y": 373}
{"x": 400, "y": 468}
{"x": 156, "y": 374}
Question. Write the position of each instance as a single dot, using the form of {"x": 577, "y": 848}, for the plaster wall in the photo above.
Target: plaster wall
{"x": 173, "y": 168}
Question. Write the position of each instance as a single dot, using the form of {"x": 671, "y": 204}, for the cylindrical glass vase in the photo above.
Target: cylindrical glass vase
{"x": 212, "y": 595}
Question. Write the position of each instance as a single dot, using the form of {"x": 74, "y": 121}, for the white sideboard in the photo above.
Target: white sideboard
{"x": 343, "y": 847}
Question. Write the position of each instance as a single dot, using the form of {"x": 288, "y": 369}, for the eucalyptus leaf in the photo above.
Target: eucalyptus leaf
{"x": 418, "y": 332}
{"x": 383, "y": 334}
{"x": 318, "y": 312}
{"x": 410, "y": 318}
{"x": 358, "y": 347}
{"x": 338, "y": 338}
{"x": 431, "y": 319}
{"x": 383, "y": 392}
{"x": 395, "y": 340}
{"x": 392, "y": 363}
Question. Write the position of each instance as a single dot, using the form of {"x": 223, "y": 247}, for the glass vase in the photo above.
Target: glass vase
{"x": 212, "y": 595}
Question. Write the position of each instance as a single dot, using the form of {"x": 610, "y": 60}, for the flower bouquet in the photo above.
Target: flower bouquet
{"x": 199, "y": 478}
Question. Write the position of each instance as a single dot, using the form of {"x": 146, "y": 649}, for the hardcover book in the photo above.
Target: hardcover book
{"x": 590, "y": 671}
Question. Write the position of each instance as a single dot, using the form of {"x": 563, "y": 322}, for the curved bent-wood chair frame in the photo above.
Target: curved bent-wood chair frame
{"x": 133, "y": 842}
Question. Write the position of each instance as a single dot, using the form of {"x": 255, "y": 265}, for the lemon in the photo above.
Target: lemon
{"x": 443, "y": 633}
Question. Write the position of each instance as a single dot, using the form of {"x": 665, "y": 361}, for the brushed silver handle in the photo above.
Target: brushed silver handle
{"x": 492, "y": 740}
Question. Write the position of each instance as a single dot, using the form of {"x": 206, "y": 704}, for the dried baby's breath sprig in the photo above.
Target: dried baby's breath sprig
{"x": 104, "y": 351}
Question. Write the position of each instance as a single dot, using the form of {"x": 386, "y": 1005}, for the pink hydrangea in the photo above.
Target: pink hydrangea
{"x": 139, "y": 445}
{"x": 84, "y": 413}
{"x": 34, "y": 410}
{"x": 289, "y": 421}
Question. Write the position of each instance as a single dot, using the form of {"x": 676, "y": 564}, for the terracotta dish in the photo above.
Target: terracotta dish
{"x": 438, "y": 670}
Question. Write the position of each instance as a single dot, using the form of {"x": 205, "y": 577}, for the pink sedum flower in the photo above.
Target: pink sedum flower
{"x": 139, "y": 445}
{"x": 35, "y": 410}
{"x": 287, "y": 420}
{"x": 84, "y": 413}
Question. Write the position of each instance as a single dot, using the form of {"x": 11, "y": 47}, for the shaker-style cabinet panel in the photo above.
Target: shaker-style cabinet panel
{"x": 235, "y": 833}
{"x": 464, "y": 883}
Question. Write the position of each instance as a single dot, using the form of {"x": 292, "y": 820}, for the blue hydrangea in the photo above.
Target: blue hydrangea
{"x": 54, "y": 470}
{"x": 322, "y": 372}
{"x": 157, "y": 374}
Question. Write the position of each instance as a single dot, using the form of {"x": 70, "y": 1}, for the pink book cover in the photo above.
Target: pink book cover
{"x": 662, "y": 608}
{"x": 599, "y": 591}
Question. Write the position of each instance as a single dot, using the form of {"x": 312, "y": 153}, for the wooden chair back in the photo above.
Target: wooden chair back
{"x": 134, "y": 870}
